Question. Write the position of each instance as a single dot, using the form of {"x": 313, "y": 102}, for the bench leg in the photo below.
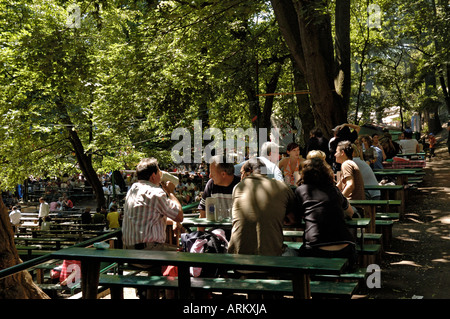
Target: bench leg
{"x": 184, "y": 282}
{"x": 90, "y": 273}
{"x": 300, "y": 285}
{"x": 39, "y": 276}
{"x": 116, "y": 292}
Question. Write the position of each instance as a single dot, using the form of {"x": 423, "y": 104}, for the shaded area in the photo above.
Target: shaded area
{"x": 418, "y": 262}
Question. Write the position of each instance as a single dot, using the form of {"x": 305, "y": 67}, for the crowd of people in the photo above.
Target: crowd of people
{"x": 264, "y": 193}
{"x": 261, "y": 194}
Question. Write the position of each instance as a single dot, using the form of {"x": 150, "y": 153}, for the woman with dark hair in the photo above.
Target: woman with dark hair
{"x": 324, "y": 209}
{"x": 290, "y": 166}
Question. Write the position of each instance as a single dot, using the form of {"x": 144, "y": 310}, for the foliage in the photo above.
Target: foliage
{"x": 133, "y": 71}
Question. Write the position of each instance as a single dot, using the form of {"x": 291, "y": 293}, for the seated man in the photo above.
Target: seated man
{"x": 270, "y": 157}
{"x": 350, "y": 181}
{"x": 260, "y": 206}
{"x": 221, "y": 184}
{"x": 147, "y": 206}
{"x": 367, "y": 174}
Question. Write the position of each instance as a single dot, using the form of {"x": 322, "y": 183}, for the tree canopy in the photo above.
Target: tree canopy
{"x": 93, "y": 86}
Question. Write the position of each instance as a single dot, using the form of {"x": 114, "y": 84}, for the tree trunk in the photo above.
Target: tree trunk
{"x": 20, "y": 285}
{"x": 317, "y": 43}
{"x": 84, "y": 160}
{"x": 303, "y": 105}
{"x": 343, "y": 51}
{"x": 434, "y": 123}
{"x": 86, "y": 167}
{"x": 308, "y": 36}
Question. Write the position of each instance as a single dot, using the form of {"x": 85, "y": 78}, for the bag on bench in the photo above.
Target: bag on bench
{"x": 204, "y": 242}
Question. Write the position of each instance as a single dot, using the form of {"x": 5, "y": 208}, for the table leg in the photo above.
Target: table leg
{"x": 401, "y": 196}
{"x": 300, "y": 286}
{"x": 184, "y": 282}
{"x": 370, "y": 212}
{"x": 90, "y": 274}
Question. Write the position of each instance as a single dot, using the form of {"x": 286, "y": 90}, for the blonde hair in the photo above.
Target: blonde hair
{"x": 356, "y": 152}
{"x": 316, "y": 154}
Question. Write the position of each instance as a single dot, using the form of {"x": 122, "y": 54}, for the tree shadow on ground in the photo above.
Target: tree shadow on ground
{"x": 418, "y": 261}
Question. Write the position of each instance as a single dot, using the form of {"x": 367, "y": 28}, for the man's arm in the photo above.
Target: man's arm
{"x": 169, "y": 188}
{"x": 349, "y": 186}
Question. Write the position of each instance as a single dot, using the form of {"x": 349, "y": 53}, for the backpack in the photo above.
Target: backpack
{"x": 203, "y": 242}
{"x": 213, "y": 244}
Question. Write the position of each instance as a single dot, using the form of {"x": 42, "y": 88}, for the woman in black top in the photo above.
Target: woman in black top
{"x": 324, "y": 209}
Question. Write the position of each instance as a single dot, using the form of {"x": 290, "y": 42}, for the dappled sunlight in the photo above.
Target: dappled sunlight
{"x": 443, "y": 220}
{"x": 441, "y": 260}
{"x": 406, "y": 263}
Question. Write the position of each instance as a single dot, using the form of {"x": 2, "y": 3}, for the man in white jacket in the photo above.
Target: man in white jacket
{"x": 44, "y": 210}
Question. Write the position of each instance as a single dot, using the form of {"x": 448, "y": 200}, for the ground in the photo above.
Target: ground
{"x": 418, "y": 262}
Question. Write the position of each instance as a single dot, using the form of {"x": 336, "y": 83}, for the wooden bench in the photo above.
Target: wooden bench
{"x": 26, "y": 250}
{"x": 54, "y": 288}
{"x": 41, "y": 269}
{"x": 54, "y": 243}
{"x": 299, "y": 234}
{"x": 358, "y": 275}
{"x": 319, "y": 289}
{"x": 370, "y": 206}
{"x": 392, "y": 216}
{"x": 295, "y": 269}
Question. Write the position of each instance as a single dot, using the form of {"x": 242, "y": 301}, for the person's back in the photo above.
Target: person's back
{"x": 322, "y": 208}
{"x": 368, "y": 177}
{"x": 113, "y": 220}
{"x": 15, "y": 215}
{"x": 86, "y": 217}
{"x": 409, "y": 145}
{"x": 98, "y": 217}
{"x": 260, "y": 205}
{"x": 319, "y": 143}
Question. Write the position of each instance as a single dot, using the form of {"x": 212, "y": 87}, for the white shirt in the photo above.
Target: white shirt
{"x": 273, "y": 171}
{"x": 106, "y": 190}
{"x": 44, "y": 209}
{"x": 116, "y": 188}
{"x": 146, "y": 210}
{"x": 15, "y": 217}
{"x": 368, "y": 175}
{"x": 408, "y": 146}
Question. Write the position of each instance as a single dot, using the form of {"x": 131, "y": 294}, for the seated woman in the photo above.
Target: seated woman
{"x": 290, "y": 166}
{"x": 324, "y": 209}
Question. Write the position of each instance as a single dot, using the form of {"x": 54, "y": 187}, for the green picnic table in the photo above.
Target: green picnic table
{"x": 296, "y": 269}
{"x": 369, "y": 206}
{"x": 43, "y": 240}
{"x": 401, "y": 176}
{"x": 385, "y": 189}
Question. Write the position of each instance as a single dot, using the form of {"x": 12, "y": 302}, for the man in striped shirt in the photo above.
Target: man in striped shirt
{"x": 147, "y": 206}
